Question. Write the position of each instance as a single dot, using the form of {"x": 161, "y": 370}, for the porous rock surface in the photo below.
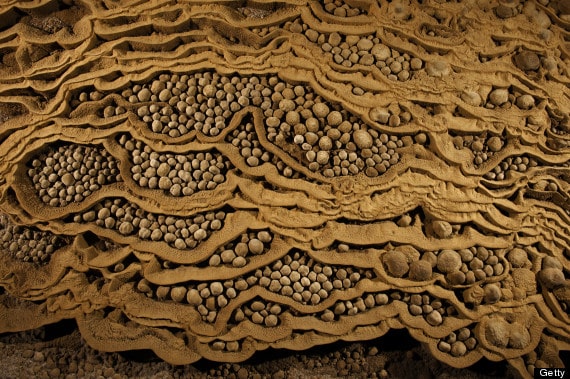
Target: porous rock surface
{"x": 207, "y": 180}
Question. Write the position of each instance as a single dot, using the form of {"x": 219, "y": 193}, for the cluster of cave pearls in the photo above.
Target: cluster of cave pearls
{"x": 210, "y": 180}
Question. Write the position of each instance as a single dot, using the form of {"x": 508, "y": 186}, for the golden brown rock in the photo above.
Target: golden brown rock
{"x": 552, "y": 277}
{"x": 448, "y": 261}
{"x": 313, "y": 175}
{"x": 527, "y": 60}
{"x": 497, "y": 332}
{"x": 442, "y": 229}
{"x": 517, "y": 257}
{"x": 396, "y": 263}
{"x": 420, "y": 270}
{"x": 362, "y": 139}
{"x": 499, "y": 96}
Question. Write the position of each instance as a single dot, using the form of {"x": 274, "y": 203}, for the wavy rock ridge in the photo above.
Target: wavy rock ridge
{"x": 210, "y": 180}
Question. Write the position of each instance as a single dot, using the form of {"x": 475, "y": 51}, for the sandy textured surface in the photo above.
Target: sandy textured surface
{"x": 58, "y": 352}
{"x": 212, "y": 180}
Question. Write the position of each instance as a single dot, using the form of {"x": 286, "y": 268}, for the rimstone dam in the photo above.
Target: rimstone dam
{"x": 213, "y": 179}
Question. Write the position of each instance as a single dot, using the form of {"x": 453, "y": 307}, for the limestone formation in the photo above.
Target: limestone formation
{"x": 210, "y": 179}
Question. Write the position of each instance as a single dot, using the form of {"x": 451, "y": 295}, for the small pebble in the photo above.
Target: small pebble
{"x": 434, "y": 318}
{"x": 362, "y": 139}
{"x": 499, "y": 96}
{"x": 527, "y": 60}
